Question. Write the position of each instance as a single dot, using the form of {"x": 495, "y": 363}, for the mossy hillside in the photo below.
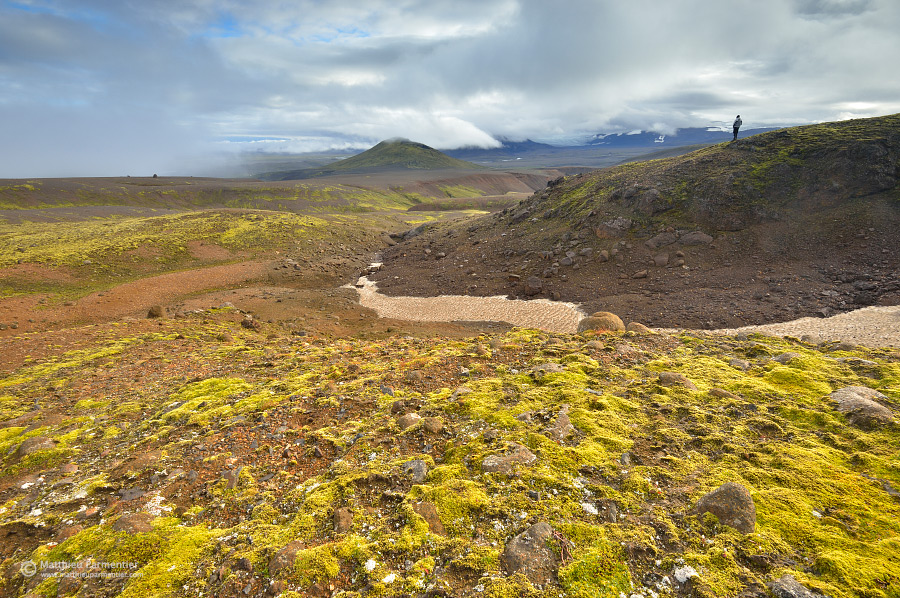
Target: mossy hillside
{"x": 823, "y": 513}
{"x": 732, "y": 186}
{"x": 71, "y": 243}
{"x": 193, "y": 194}
{"x": 95, "y": 255}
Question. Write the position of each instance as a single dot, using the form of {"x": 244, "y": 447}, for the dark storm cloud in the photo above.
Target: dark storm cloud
{"x": 98, "y": 87}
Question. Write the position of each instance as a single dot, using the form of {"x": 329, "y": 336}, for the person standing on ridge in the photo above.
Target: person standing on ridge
{"x": 737, "y": 125}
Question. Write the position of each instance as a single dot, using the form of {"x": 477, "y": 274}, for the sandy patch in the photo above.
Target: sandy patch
{"x": 877, "y": 326}
{"x": 552, "y": 316}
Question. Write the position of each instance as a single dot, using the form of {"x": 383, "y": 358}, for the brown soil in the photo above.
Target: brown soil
{"x": 35, "y": 326}
{"x": 757, "y": 276}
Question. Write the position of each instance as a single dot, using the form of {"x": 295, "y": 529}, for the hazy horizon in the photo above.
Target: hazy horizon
{"x": 93, "y": 88}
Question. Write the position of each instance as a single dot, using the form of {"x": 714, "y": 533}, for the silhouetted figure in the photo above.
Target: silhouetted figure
{"x": 737, "y": 125}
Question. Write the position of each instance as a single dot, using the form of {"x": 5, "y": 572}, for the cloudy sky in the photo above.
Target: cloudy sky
{"x": 109, "y": 87}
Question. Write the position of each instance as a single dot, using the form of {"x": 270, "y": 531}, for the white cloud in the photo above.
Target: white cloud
{"x": 184, "y": 73}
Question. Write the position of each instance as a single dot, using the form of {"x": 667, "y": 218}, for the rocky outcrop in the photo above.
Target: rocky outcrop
{"x": 859, "y": 404}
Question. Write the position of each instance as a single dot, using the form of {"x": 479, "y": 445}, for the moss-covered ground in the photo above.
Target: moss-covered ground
{"x": 239, "y": 446}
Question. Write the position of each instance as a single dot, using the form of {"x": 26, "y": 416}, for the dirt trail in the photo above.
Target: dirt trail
{"x": 129, "y": 299}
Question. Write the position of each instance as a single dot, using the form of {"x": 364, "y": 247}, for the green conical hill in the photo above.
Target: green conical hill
{"x": 392, "y": 154}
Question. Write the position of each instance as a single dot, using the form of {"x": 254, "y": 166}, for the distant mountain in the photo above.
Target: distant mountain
{"x": 600, "y": 151}
{"x": 688, "y": 136}
{"x": 392, "y": 154}
{"x": 510, "y": 149}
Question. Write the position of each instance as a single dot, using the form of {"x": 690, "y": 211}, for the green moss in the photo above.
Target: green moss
{"x": 319, "y": 563}
{"x": 480, "y": 559}
{"x": 597, "y": 573}
{"x": 87, "y": 404}
{"x": 458, "y": 501}
{"x": 797, "y": 382}
{"x": 212, "y": 394}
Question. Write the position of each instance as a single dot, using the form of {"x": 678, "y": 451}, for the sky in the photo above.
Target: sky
{"x": 114, "y": 87}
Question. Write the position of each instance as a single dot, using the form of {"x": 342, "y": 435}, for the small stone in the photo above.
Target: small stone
{"x": 409, "y": 420}
{"x": 661, "y": 260}
{"x": 505, "y": 464}
{"x": 787, "y": 586}
{"x": 416, "y": 469}
{"x": 284, "y": 558}
{"x": 343, "y": 520}
{"x": 639, "y": 274}
{"x": 676, "y": 379}
{"x": 602, "y": 321}
{"x": 157, "y": 311}
{"x": 732, "y": 504}
{"x": 530, "y": 553}
{"x": 428, "y": 512}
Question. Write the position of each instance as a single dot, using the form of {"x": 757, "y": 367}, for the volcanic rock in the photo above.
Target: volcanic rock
{"x": 732, "y": 504}
{"x": 505, "y": 464}
{"x": 428, "y": 512}
{"x": 343, "y": 519}
{"x": 695, "y": 238}
{"x": 134, "y": 523}
{"x": 529, "y": 553}
{"x": 858, "y": 403}
{"x": 676, "y": 379}
{"x": 787, "y": 586}
{"x": 602, "y": 320}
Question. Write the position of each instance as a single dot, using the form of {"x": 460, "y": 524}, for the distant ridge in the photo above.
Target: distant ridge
{"x": 391, "y": 154}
